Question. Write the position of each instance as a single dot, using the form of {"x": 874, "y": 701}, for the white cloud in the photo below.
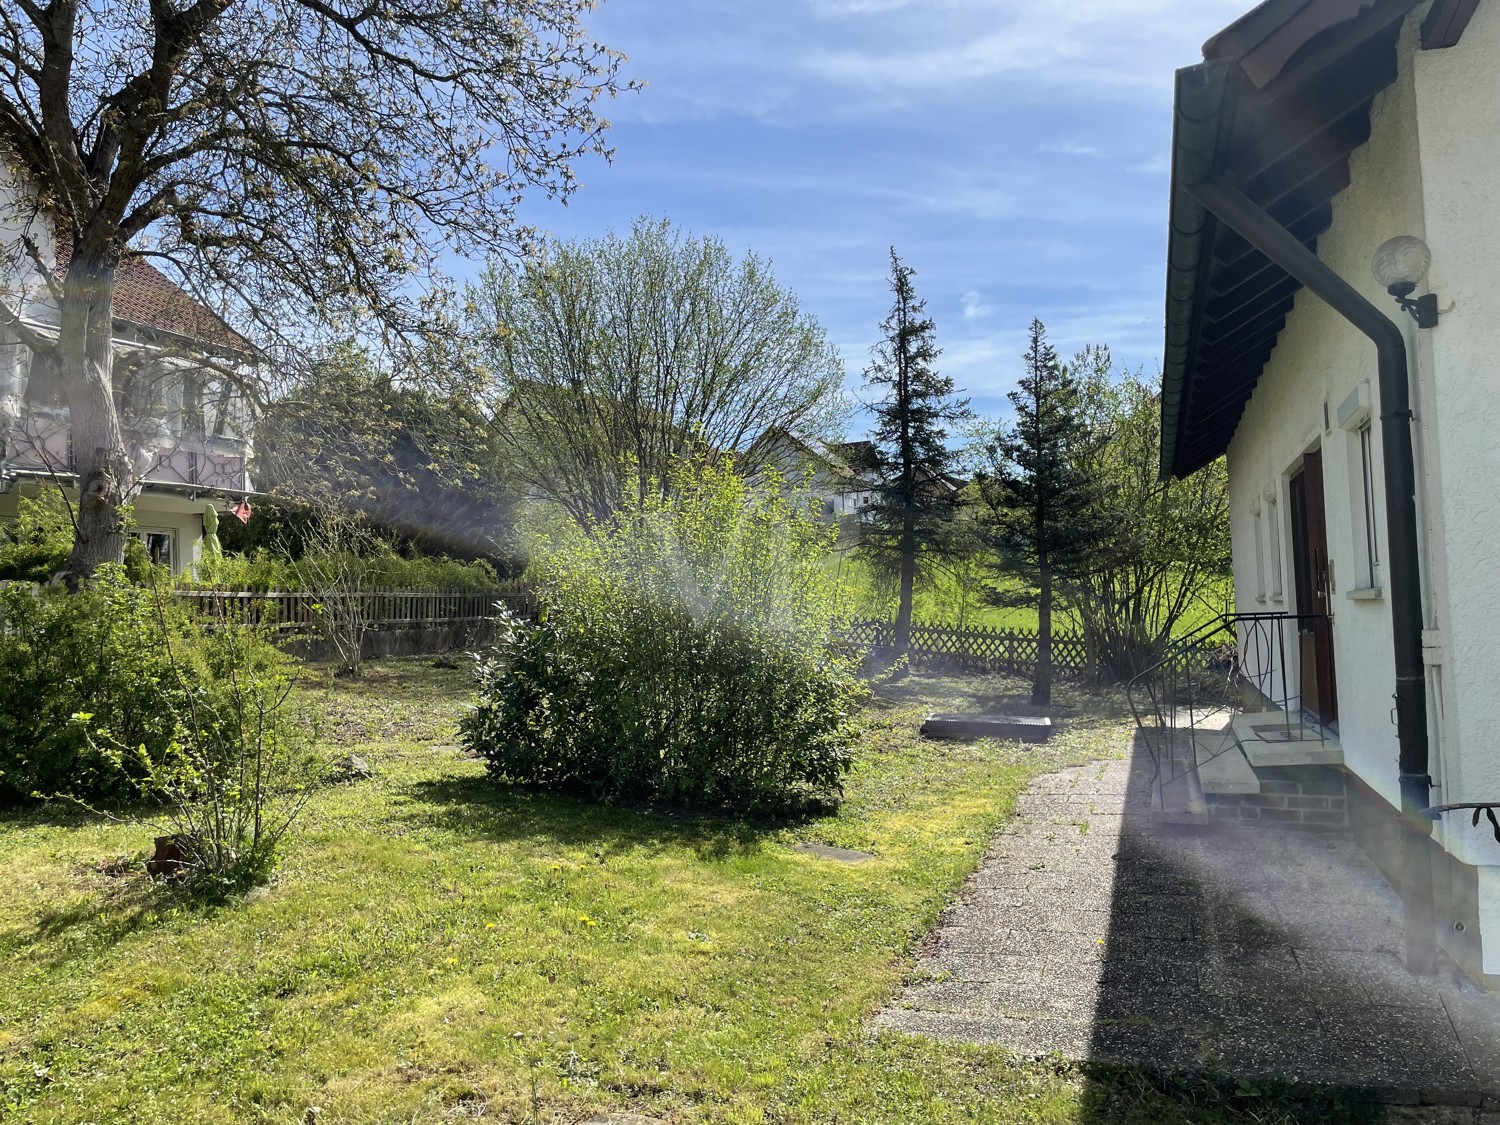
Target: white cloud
{"x": 1069, "y": 148}
{"x": 973, "y": 305}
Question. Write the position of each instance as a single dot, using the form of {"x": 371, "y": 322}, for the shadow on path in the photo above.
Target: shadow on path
{"x": 1256, "y": 953}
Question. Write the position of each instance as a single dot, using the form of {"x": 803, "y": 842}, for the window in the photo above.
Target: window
{"x": 160, "y": 547}
{"x": 1273, "y": 531}
{"x": 1369, "y": 562}
{"x": 1260, "y": 550}
{"x": 1355, "y": 418}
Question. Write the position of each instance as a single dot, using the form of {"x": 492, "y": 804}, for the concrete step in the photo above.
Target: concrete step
{"x": 1223, "y": 767}
{"x": 1180, "y": 800}
{"x": 1270, "y": 738}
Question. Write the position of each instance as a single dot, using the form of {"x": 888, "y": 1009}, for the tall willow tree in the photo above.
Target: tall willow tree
{"x": 274, "y": 156}
{"x": 1161, "y": 557}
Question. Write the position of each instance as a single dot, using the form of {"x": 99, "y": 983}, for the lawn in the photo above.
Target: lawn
{"x": 436, "y": 947}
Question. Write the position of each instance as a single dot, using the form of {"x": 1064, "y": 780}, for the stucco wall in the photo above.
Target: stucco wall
{"x": 1431, "y": 169}
{"x": 1458, "y": 114}
{"x": 1320, "y": 358}
{"x": 1458, "y": 106}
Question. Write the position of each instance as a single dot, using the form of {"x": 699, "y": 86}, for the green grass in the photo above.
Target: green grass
{"x": 436, "y": 948}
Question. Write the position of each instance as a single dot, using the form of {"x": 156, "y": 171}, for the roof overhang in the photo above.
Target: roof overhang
{"x": 1281, "y": 102}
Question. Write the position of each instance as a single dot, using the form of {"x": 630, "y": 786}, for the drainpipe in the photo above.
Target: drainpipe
{"x": 1273, "y": 240}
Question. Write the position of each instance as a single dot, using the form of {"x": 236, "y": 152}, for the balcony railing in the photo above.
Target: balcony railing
{"x": 41, "y": 441}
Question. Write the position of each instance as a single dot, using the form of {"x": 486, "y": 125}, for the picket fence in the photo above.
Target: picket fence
{"x": 301, "y": 611}
{"x": 979, "y": 649}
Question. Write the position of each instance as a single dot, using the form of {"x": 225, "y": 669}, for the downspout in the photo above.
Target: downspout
{"x": 1273, "y": 240}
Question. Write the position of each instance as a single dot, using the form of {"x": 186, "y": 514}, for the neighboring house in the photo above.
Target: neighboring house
{"x": 842, "y": 476}
{"x": 187, "y": 425}
{"x": 1314, "y": 132}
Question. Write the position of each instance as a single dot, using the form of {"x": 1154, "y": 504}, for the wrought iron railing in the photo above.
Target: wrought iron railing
{"x": 1185, "y": 703}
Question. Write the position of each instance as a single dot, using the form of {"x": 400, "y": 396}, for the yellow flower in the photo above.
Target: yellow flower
{"x": 586, "y": 920}
{"x": 453, "y": 960}
{"x": 489, "y": 925}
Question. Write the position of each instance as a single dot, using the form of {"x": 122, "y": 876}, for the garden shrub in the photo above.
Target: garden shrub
{"x": 687, "y": 654}
{"x": 37, "y": 543}
{"x": 88, "y": 689}
{"x": 264, "y": 570}
{"x": 244, "y": 761}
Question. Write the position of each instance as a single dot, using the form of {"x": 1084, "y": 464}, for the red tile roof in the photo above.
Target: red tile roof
{"x": 148, "y": 298}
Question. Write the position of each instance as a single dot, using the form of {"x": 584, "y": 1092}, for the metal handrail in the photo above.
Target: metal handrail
{"x": 1258, "y": 661}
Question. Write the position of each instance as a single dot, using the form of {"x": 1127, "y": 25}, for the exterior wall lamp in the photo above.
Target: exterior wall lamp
{"x": 1399, "y": 264}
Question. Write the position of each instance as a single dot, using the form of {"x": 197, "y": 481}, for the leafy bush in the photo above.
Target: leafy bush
{"x": 243, "y": 763}
{"x": 264, "y": 570}
{"x": 687, "y": 654}
{"x": 88, "y": 691}
{"x": 36, "y": 545}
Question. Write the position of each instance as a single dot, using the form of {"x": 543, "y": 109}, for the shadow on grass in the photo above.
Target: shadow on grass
{"x": 93, "y": 925}
{"x": 1113, "y": 1094}
{"x": 481, "y": 808}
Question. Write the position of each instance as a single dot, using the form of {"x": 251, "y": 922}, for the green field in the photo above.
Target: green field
{"x": 940, "y": 600}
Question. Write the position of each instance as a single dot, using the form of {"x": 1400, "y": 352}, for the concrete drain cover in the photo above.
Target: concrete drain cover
{"x": 827, "y": 851}
{"x": 1020, "y": 728}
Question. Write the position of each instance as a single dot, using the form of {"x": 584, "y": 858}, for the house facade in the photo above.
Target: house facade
{"x": 1313, "y": 134}
{"x": 186, "y": 422}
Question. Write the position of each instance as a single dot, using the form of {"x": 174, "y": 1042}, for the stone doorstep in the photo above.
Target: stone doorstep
{"x": 1259, "y": 751}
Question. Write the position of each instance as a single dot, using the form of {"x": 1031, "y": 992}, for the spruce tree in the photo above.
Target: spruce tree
{"x": 1040, "y": 500}
{"x": 916, "y": 497}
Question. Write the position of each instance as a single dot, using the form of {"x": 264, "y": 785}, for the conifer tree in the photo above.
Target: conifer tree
{"x": 1040, "y": 501}
{"x": 916, "y": 497}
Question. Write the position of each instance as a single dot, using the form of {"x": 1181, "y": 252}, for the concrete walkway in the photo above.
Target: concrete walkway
{"x": 1090, "y": 933}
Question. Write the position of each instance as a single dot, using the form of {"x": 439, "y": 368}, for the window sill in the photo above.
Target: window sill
{"x": 1366, "y": 594}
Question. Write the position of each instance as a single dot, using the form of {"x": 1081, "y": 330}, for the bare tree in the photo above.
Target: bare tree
{"x": 335, "y": 566}
{"x": 276, "y": 157}
{"x": 617, "y": 356}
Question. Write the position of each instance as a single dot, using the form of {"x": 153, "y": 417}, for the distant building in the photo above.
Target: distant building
{"x": 188, "y": 426}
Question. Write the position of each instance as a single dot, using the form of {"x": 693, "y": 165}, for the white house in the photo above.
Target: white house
{"x": 841, "y": 476}
{"x": 188, "y": 425}
{"x": 1362, "y": 435}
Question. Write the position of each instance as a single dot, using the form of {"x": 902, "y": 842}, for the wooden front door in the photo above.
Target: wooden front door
{"x": 1310, "y": 572}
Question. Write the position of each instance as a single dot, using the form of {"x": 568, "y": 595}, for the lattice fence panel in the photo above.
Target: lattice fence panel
{"x": 977, "y": 649}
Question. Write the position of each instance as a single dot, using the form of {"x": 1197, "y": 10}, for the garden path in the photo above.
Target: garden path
{"x": 1091, "y": 932}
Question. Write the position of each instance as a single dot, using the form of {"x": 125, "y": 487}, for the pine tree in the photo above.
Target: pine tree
{"x": 1040, "y": 501}
{"x": 916, "y": 496}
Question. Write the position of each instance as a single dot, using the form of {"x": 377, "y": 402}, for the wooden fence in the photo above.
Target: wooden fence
{"x": 979, "y": 649}
{"x": 301, "y": 611}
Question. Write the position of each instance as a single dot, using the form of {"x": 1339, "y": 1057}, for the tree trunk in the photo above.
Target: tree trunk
{"x": 1041, "y": 686}
{"x": 908, "y": 577}
{"x": 85, "y": 356}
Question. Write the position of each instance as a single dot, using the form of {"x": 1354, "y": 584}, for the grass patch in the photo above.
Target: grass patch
{"x": 439, "y": 948}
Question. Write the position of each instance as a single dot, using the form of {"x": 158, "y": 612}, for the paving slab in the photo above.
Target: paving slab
{"x": 1258, "y": 950}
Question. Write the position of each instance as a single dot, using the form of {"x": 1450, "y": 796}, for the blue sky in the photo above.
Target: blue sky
{"x": 1015, "y": 154}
